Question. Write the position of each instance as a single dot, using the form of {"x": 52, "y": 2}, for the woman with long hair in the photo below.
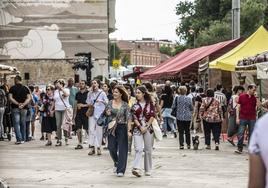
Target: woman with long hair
{"x": 143, "y": 114}
{"x": 117, "y": 110}
{"x": 98, "y": 99}
{"x": 166, "y": 104}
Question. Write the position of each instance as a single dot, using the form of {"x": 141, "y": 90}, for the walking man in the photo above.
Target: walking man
{"x": 19, "y": 96}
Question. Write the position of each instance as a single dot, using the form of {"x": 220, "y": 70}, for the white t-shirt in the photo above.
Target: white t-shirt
{"x": 259, "y": 142}
{"x": 58, "y": 102}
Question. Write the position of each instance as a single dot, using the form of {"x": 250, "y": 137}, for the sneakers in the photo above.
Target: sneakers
{"x": 136, "y": 172}
{"x": 78, "y": 147}
{"x": 181, "y": 147}
{"x": 18, "y": 142}
{"x": 208, "y": 147}
{"x": 120, "y": 174}
{"x": 48, "y": 143}
{"x": 188, "y": 147}
{"x": 231, "y": 142}
{"x": 98, "y": 151}
{"x": 217, "y": 147}
{"x": 239, "y": 151}
{"x": 147, "y": 173}
{"x": 91, "y": 151}
{"x": 115, "y": 170}
{"x": 175, "y": 135}
{"x": 58, "y": 143}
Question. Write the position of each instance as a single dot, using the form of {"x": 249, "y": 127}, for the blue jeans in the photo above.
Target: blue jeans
{"x": 242, "y": 127}
{"x": 118, "y": 147}
{"x": 168, "y": 122}
{"x": 19, "y": 121}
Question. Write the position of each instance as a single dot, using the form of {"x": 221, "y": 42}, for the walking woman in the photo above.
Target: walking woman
{"x": 61, "y": 98}
{"x": 231, "y": 109}
{"x": 117, "y": 110}
{"x": 184, "y": 109}
{"x": 166, "y": 104}
{"x": 49, "y": 120}
{"x": 143, "y": 115}
{"x": 98, "y": 99}
{"x": 212, "y": 115}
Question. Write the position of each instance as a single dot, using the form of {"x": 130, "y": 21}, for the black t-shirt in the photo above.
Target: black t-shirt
{"x": 19, "y": 93}
{"x": 81, "y": 98}
{"x": 168, "y": 100}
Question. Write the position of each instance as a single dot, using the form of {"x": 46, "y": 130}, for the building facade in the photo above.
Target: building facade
{"x": 57, "y": 30}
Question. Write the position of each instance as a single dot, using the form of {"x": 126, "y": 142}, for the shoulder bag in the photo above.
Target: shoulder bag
{"x": 67, "y": 121}
{"x": 90, "y": 110}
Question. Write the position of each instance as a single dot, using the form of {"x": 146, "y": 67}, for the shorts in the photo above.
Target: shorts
{"x": 81, "y": 121}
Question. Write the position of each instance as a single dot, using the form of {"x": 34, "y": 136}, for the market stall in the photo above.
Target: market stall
{"x": 7, "y": 72}
{"x": 256, "y": 68}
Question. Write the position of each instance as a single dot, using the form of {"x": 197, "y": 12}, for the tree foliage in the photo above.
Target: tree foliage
{"x": 211, "y": 20}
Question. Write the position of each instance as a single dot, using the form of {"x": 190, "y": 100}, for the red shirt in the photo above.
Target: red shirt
{"x": 247, "y": 106}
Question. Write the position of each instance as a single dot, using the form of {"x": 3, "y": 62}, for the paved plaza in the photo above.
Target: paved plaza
{"x": 35, "y": 165}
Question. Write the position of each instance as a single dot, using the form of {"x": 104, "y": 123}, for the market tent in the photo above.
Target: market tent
{"x": 8, "y": 70}
{"x": 175, "y": 65}
{"x": 256, "y": 43}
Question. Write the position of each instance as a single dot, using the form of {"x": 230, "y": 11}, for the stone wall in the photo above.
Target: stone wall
{"x": 42, "y": 71}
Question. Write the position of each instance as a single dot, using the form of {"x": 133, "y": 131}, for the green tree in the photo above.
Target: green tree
{"x": 125, "y": 59}
{"x": 252, "y": 15}
{"x": 114, "y": 52}
{"x": 166, "y": 50}
{"x": 211, "y": 20}
{"x": 265, "y": 20}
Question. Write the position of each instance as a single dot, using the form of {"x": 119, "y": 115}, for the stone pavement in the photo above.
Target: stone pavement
{"x": 35, "y": 165}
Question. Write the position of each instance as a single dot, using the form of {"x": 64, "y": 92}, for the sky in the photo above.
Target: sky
{"x": 137, "y": 19}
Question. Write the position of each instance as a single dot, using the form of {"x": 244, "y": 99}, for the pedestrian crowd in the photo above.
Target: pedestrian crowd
{"x": 118, "y": 117}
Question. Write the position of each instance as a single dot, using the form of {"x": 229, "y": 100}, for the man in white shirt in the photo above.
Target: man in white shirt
{"x": 221, "y": 98}
{"x": 258, "y": 158}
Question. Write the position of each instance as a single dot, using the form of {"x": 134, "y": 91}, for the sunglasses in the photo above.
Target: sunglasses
{"x": 48, "y": 89}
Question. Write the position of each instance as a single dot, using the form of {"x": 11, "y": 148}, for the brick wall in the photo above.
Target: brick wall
{"x": 42, "y": 71}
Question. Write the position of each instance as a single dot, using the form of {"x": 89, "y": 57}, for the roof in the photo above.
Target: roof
{"x": 186, "y": 58}
{"x": 255, "y": 44}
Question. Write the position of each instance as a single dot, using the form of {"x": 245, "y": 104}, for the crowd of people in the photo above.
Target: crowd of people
{"x": 119, "y": 116}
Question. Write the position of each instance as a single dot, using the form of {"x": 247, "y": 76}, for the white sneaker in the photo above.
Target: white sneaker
{"x": 114, "y": 170}
{"x": 120, "y": 174}
{"x": 147, "y": 173}
{"x": 85, "y": 142}
{"x": 22, "y": 142}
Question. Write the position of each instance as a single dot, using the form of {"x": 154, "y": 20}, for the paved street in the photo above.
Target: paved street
{"x": 34, "y": 165}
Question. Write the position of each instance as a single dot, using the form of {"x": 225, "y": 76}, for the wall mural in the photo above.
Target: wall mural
{"x": 32, "y": 29}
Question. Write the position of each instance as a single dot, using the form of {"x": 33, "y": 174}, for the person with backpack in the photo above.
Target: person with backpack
{"x": 231, "y": 109}
{"x": 3, "y": 101}
{"x": 212, "y": 116}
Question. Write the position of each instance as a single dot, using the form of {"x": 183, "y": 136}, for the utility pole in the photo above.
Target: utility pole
{"x": 235, "y": 19}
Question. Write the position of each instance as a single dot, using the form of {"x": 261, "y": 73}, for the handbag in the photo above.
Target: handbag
{"x": 157, "y": 131}
{"x": 67, "y": 121}
{"x": 90, "y": 110}
{"x": 102, "y": 120}
{"x": 112, "y": 123}
{"x": 174, "y": 109}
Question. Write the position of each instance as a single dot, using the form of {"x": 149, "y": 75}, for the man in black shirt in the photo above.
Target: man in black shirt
{"x": 19, "y": 96}
{"x": 81, "y": 120}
